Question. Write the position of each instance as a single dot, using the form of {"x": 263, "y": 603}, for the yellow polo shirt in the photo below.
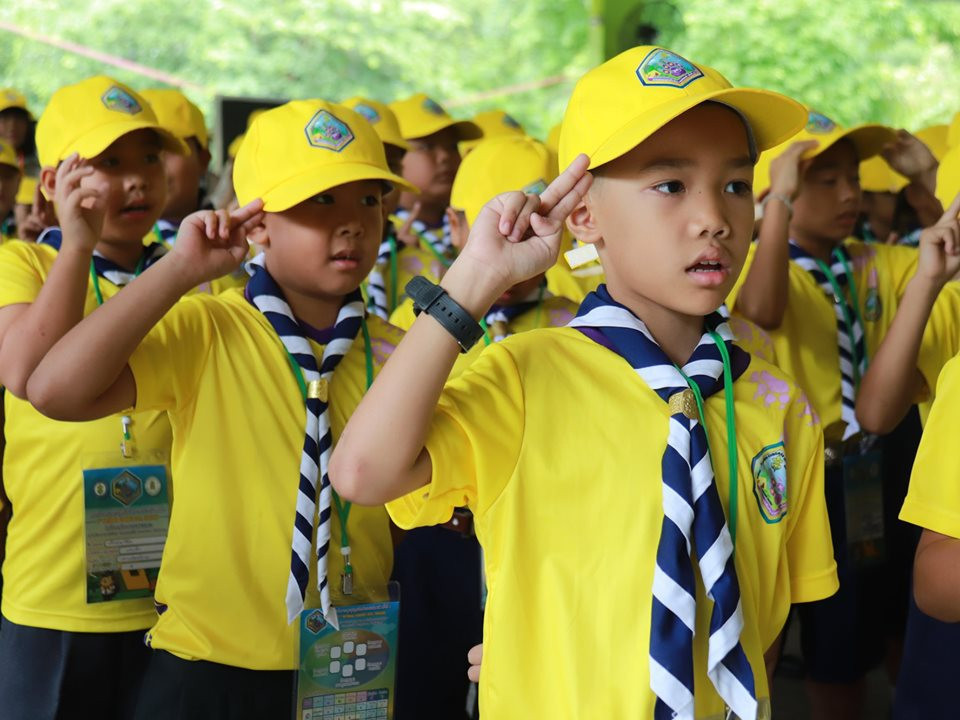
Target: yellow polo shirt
{"x": 933, "y": 498}
{"x": 217, "y": 367}
{"x": 570, "y": 527}
{"x": 44, "y": 572}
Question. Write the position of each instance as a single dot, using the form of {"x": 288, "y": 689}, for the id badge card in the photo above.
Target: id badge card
{"x": 349, "y": 673}
{"x": 126, "y": 513}
{"x": 863, "y": 500}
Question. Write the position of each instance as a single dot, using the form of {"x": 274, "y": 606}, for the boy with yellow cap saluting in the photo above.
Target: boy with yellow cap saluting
{"x": 590, "y": 540}
{"x": 430, "y": 165}
{"x": 62, "y": 645}
{"x": 257, "y": 384}
{"x": 827, "y": 301}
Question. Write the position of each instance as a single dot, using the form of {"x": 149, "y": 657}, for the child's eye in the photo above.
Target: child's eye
{"x": 153, "y": 158}
{"x": 371, "y": 200}
{"x": 109, "y": 162}
{"x": 670, "y": 187}
{"x": 739, "y": 187}
{"x": 323, "y": 199}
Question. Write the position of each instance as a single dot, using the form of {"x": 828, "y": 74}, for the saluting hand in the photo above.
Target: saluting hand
{"x": 213, "y": 243}
{"x": 940, "y": 247}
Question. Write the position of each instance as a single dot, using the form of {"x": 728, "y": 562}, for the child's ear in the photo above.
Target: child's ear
{"x": 48, "y": 182}
{"x": 582, "y": 223}
{"x": 458, "y": 228}
{"x": 259, "y": 236}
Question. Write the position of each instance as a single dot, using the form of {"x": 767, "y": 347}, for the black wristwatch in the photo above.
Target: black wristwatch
{"x": 434, "y": 300}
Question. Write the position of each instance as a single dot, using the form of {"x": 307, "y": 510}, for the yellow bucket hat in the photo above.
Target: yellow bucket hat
{"x": 420, "y": 116}
{"x": 14, "y": 99}
{"x": 382, "y": 118}
{"x": 177, "y": 114}
{"x": 300, "y": 149}
{"x": 8, "y": 155}
{"x": 499, "y": 165}
{"x": 88, "y": 116}
{"x": 622, "y": 102}
{"x": 868, "y": 140}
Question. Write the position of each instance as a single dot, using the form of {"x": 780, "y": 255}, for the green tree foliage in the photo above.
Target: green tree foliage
{"x": 892, "y": 61}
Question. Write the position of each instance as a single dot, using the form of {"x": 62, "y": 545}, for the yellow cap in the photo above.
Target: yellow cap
{"x": 235, "y": 144}
{"x": 382, "y": 118}
{"x": 493, "y": 123}
{"x": 88, "y": 116}
{"x": 935, "y": 138}
{"x": 177, "y": 114}
{"x": 953, "y": 132}
{"x": 10, "y": 98}
{"x": 948, "y": 177}
{"x": 28, "y": 187}
{"x": 877, "y": 176}
{"x": 300, "y": 149}
{"x": 868, "y": 140}
{"x": 420, "y": 116}
{"x": 621, "y": 103}
{"x": 499, "y": 165}
{"x": 553, "y": 139}
{"x": 8, "y": 156}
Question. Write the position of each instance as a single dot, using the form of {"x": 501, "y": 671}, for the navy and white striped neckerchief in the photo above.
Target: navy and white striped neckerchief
{"x": 107, "y": 269}
{"x": 438, "y": 237}
{"x": 378, "y": 302}
{"x": 853, "y": 357}
{"x": 692, "y": 511}
{"x": 499, "y": 317}
{"x": 268, "y": 298}
{"x": 165, "y": 231}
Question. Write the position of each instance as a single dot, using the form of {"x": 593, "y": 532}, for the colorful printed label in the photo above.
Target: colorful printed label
{"x": 118, "y": 99}
{"x": 328, "y": 132}
{"x": 769, "y": 469}
{"x": 667, "y": 69}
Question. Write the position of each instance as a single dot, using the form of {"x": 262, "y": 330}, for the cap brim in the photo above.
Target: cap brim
{"x": 466, "y": 130}
{"x": 99, "y": 139}
{"x": 316, "y": 180}
{"x": 773, "y": 118}
{"x": 396, "y": 141}
{"x": 868, "y": 139}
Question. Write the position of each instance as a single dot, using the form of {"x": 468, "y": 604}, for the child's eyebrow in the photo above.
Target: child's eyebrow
{"x": 669, "y": 163}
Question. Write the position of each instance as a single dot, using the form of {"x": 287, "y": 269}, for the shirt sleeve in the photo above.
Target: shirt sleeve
{"x": 933, "y": 498}
{"x": 474, "y": 442}
{"x": 20, "y": 276}
{"x": 941, "y": 337}
{"x": 168, "y": 363}
{"x": 813, "y": 569}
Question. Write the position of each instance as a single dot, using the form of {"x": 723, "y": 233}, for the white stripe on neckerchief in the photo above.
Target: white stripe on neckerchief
{"x": 439, "y": 238}
{"x": 853, "y": 357}
{"x": 268, "y": 298}
{"x": 692, "y": 511}
{"x": 107, "y": 269}
{"x": 378, "y": 302}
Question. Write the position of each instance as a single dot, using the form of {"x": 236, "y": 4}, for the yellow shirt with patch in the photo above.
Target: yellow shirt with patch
{"x": 44, "y": 576}
{"x": 573, "y": 284}
{"x": 806, "y": 341}
{"x": 218, "y": 368}
{"x": 933, "y": 498}
{"x": 555, "y": 444}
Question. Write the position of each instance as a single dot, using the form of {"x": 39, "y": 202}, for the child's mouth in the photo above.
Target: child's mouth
{"x": 345, "y": 261}
{"x": 135, "y": 212}
{"x": 708, "y": 273}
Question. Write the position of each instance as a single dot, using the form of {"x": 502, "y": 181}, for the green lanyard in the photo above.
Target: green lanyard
{"x": 96, "y": 278}
{"x": 487, "y": 340}
{"x": 840, "y": 299}
{"x": 425, "y": 241}
{"x": 392, "y": 239}
{"x": 732, "y": 455}
{"x": 343, "y": 508}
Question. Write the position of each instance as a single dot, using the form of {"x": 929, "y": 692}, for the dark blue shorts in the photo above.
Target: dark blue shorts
{"x": 177, "y": 689}
{"x": 54, "y": 674}
{"x": 927, "y": 686}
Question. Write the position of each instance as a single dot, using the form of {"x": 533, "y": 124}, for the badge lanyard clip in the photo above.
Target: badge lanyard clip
{"x": 128, "y": 447}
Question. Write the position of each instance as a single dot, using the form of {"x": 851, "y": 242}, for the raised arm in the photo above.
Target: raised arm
{"x": 86, "y": 375}
{"x": 763, "y": 296}
{"x": 380, "y": 455}
{"x": 29, "y": 330}
{"x": 893, "y": 380}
